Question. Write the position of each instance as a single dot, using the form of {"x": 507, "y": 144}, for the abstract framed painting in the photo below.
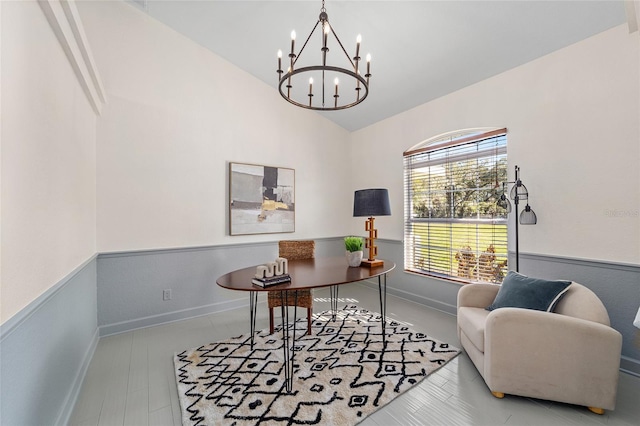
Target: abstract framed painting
{"x": 261, "y": 199}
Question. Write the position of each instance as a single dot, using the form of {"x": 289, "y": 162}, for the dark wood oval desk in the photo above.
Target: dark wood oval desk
{"x": 307, "y": 274}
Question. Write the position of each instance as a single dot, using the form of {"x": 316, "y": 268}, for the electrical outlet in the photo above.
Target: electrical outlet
{"x": 166, "y": 294}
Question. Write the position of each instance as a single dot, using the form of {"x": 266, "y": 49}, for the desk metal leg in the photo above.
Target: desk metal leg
{"x": 288, "y": 350}
{"x": 334, "y": 301}
{"x": 382, "y": 291}
{"x": 253, "y": 303}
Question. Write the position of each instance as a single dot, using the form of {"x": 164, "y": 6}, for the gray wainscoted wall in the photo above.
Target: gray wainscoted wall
{"x": 618, "y": 286}
{"x": 131, "y": 284}
{"x": 45, "y": 351}
{"x": 46, "y": 348}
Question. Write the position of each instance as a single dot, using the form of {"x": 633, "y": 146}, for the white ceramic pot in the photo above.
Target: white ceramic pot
{"x": 354, "y": 258}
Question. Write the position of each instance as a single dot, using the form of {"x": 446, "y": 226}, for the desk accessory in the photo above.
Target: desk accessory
{"x": 272, "y": 273}
{"x": 266, "y": 282}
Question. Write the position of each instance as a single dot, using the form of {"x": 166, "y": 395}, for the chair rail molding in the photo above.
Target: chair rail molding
{"x": 66, "y": 24}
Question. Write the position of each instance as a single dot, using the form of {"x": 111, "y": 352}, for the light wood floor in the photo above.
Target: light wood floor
{"x": 131, "y": 380}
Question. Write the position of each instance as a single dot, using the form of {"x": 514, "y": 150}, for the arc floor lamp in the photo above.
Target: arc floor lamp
{"x": 518, "y": 193}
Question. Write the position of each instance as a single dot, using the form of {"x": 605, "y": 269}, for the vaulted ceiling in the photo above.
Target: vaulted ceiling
{"x": 421, "y": 50}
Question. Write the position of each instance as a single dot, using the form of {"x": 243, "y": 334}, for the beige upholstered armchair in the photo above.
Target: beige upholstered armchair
{"x": 571, "y": 355}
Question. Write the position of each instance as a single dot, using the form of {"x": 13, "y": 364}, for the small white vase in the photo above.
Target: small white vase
{"x": 354, "y": 258}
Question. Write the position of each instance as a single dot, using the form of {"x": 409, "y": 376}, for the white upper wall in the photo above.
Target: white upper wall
{"x": 48, "y": 160}
{"x": 573, "y": 120}
{"x": 176, "y": 115}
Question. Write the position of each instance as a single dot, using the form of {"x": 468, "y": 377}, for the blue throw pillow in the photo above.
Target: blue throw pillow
{"x": 519, "y": 291}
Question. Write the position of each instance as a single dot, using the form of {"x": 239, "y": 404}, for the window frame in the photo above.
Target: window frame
{"x": 484, "y": 260}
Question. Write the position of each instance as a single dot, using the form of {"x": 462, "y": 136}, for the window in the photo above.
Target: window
{"x": 453, "y": 226}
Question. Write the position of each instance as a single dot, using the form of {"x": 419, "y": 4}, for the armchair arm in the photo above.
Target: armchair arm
{"x": 477, "y": 295}
{"x": 552, "y": 356}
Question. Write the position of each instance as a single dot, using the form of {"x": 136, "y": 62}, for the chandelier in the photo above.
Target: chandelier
{"x": 342, "y": 76}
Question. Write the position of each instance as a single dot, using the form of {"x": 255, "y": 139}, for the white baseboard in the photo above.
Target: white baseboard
{"x": 630, "y": 366}
{"x": 74, "y": 392}
{"x": 149, "y": 321}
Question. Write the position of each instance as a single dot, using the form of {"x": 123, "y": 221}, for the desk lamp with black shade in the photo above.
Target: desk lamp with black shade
{"x": 370, "y": 203}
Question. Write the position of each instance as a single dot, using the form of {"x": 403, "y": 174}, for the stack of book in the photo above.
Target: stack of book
{"x": 277, "y": 279}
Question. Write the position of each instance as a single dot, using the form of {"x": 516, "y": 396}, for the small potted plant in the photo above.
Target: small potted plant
{"x": 354, "y": 250}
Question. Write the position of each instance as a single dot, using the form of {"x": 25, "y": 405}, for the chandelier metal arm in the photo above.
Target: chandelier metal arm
{"x": 343, "y": 49}
{"x": 306, "y": 41}
{"x": 323, "y": 83}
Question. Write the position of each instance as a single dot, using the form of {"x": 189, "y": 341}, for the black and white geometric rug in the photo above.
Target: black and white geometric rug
{"x": 341, "y": 373}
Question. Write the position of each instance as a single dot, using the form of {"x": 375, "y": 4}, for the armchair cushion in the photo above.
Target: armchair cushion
{"x": 472, "y": 321}
{"x": 519, "y": 291}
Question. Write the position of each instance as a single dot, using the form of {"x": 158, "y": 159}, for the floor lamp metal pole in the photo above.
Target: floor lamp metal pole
{"x": 515, "y": 201}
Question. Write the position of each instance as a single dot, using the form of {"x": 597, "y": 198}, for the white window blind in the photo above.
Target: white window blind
{"x": 453, "y": 226}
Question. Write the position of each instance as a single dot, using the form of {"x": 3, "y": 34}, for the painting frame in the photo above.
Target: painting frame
{"x": 261, "y": 199}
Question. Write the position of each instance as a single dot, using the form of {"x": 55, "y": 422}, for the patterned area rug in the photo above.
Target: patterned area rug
{"x": 341, "y": 373}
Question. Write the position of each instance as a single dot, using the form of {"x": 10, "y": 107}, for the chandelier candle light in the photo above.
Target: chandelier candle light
{"x": 349, "y": 72}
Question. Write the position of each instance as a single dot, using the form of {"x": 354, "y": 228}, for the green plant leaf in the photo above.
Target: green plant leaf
{"x": 353, "y": 243}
